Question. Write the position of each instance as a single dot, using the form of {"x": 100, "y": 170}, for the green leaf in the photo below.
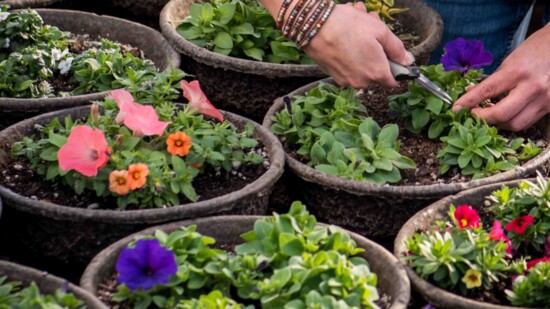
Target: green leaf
{"x": 223, "y": 40}
{"x": 254, "y": 53}
{"x": 245, "y": 28}
{"x": 290, "y": 244}
{"x": 207, "y": 14}
{"x": 227, "y": 11}
{"x": 50, "y": 154}
{"x": 420, "y": 118}
{"x": 178, "y": 164}
{"x": 189, "y": 192}
{"x": 57, "y": 140}
{"x": 434, "y": 105}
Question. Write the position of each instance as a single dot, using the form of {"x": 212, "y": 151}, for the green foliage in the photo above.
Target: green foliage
{"x": 529, "y": 198}
{"x": 13, "y": 296}
{"x": 422, "y": 110}
{"x": 445, "y": 253}
{"x": 286, "y": 261}
{"x": 477, "y": 149}
{"x": 35, "y": 57}
{"x": 214, "y": 145}
{"x": 334, "y": 135}
{"x": 384, "y": 8}
{"x": 533, "y": 289}
{"x": 239, "y": 28}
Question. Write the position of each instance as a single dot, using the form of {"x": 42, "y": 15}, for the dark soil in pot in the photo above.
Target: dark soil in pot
{"x": 379, "y": 211}
{"x": 227, "y": 230}
{"x": 35, "y": 226}
{"x": 147, "y": 40}
{"x": 439, "y": 211}
{"x": 47, "y": 283}
{"x": 248, "y": 87}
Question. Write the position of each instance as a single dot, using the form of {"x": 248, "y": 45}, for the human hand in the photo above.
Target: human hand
{"x": 354, "y": 46}
{"x": 525, "y": 75}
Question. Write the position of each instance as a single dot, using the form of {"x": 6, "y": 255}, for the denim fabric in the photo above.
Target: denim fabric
{"x": 494, "y": 22}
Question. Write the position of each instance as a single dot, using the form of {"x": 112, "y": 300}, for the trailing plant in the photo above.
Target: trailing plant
{"x": 14, "y": 296}
{"x": 34, "y": 58}
{"x": 140, "y": 154}
{"x": 240, "y": 28}
{"x": 336, "y": 137}
{"x": 516, "y": 251}
{"x": 285, "y": 261}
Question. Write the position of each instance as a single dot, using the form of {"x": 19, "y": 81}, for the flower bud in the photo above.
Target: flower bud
{"x": 94, "y": 112}
{"x": 158, "y": 187}
{"x": 119, "y": 139}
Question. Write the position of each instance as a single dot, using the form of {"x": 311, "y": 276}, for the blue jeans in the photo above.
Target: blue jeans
{"x": 494, "y": 22}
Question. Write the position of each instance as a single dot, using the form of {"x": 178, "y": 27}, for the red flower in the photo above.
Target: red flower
{"x": 519, "y": 224}
{"x": 466, "y": 217}
{"x": 497, "y": 234}
{"x": 198, "y": 100}
{"x": 532, "y": 263}
{"x": 141, "y": 119}
{"x": 86, "y": 151}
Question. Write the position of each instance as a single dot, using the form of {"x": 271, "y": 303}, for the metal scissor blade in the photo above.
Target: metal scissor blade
{"x": 433, "y": 88}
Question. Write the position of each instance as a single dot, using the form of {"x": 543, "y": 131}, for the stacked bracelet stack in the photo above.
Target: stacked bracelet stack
{"x": 305, "y": 19}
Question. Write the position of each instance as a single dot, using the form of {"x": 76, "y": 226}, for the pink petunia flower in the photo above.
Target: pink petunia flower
{"x": 198, "y": 100}
{"x": 497, "y": 234}
{"x": 519, "y": 224}
{"x": 466, "y": 217}
{"x": 86, "y": 151}
{"x": 532, "y": 263}
{"x": 141, "y": 119}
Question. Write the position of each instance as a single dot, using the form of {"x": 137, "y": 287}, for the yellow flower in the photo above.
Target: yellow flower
{"x": 472, "y": 279}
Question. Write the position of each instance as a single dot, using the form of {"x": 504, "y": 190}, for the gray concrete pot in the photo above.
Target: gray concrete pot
{"x": 425, "y": 219}
{"x": 392, "y": 279}
{"x": 247, "y": 87}
{"x": 67, "y": 235}
{"x": 22, "y": 4}
{"x": 373, "y": 210}
{"x": 151, "y": 42}
{"x": 47, "y": 283}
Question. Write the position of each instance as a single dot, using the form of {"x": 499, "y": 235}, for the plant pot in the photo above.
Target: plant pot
{"x": 149, "y": 8}
{"x": 227, "y": 230}
{"x": 22, "y": 4}
{"x": 373, "y": 210}
{"x": 72, "y": 236}
{"x": 247, "y": 87}
{"x": 425, "y": 219}
{"x": 47, "y": 283}
{"x": 151, "y": 42}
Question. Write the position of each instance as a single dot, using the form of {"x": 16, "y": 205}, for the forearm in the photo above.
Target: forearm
{"x": 272, "y": 6}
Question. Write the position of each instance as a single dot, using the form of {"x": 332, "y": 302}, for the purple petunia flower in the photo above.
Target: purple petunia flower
{"x": 146, "y": 265}
{"x": 463, "y": 55}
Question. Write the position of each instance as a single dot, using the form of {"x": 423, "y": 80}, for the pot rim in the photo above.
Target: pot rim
{"x": 154, "y": 215}
{"x": 105, "y": 260}
{"x": 33, "y": 274}
{"x": 430, "y": 212}
{"x": 310, "y": 174}
{"x": 173, "y": 60}
{"x": 272, "y": 70}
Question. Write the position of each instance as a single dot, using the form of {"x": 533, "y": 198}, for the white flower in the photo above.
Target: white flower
{"x": 65, "y": 65}
{"x": 7, "y": 43}
{"x": 4, "y": 15}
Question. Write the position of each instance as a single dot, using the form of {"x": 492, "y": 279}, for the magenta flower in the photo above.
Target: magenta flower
{"x": 198, "y": 101}
{"x": 533, "y": 263}
{"x": 145, "y": 266}
{"x": 463, "y": 55}
{"x": 519, "y": 224}
{"x": 466, "y": 217}
{"x": 86, "y": 151}
{"x": 547, "y": 246}
{"x": 497, "y": 234}
{"x": 141, "y": 119}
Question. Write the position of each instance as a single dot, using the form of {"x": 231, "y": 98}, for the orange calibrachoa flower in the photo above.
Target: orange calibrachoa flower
{"x": 179, "y": 144}
{"x": 137, "y": 175}
{"x": 118, "y": 182}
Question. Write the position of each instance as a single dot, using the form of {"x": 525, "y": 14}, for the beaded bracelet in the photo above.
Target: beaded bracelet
{"x": 300, "y": 22}
{"x": 315, "y": 30}
{"x": 291, "y": 18}
{"x": 282, "y": 12}
{"x": 310, "y": 22}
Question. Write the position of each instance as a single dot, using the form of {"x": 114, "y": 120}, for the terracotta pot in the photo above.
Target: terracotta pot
{"x": 247, "y": 87}
{"x": 47, "y": 283}
{"x": 425, "y": 219}
{"x": 21, "y": 4}
{"x": 392, "y": 279}
{"x": 373, "y": 210}
{"x": 151, "y": 42}
{"x": 71, "y": 236}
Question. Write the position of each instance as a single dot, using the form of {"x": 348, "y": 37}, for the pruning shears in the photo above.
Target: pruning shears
{"x": 412, "y": 72}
